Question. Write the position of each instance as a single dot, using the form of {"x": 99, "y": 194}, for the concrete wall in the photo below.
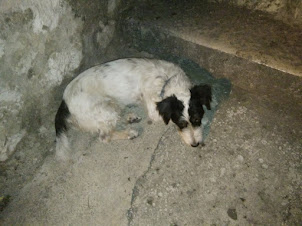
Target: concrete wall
{"x": 99, "y": 19}
{"x": 288, "y": 11}
{"x": 43, "y": 43}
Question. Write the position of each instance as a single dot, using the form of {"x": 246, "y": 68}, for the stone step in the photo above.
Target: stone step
{"x": 254, "y": 51}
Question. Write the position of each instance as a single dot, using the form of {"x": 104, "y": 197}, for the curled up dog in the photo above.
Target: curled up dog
{"x": 94, "y": 99}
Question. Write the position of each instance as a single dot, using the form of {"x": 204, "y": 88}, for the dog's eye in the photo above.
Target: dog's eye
{"x": 182, "y": 124}
{"x": 197, "y": 121}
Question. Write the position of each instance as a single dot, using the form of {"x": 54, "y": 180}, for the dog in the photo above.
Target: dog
{"x": 94, "y": 99}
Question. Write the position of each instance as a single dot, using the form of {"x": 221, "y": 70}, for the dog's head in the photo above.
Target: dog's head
{"x": 187, "y": 115}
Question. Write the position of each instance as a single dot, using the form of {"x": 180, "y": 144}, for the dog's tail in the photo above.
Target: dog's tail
{"x": 62, "y": 144}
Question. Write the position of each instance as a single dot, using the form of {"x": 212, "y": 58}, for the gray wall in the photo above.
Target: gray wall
{"x": 288, "y": 11}
{"x": 42, "y": 44}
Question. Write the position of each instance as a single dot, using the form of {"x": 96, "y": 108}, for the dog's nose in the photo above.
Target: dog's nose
{"x": 195, "y": 145}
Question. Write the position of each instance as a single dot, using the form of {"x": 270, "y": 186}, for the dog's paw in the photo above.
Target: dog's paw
{"x": 133, "y": 118}
{"x": 104, "y": 138}
{"x": 132, "y": 134}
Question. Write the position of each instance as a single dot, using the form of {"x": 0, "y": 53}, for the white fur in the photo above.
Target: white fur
{"x": 95, "y": 97}
{"x": 62, "y": 148}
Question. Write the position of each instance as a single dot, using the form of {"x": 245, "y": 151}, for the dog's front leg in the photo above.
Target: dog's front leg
{"x": 124, "y": 135}
{"x": 119, "y": 135}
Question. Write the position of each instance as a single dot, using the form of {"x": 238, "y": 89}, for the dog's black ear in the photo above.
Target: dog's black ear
{"x": 203, "y": 93}
{"x": 168, "y": 107}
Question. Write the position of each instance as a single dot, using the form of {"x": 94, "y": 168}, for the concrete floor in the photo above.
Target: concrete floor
{"x": 248, "y": 173}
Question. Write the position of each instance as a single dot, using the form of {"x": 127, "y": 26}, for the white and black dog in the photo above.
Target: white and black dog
{"x": 94, "y": 99}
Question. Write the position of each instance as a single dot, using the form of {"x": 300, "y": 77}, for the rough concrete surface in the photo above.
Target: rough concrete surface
{"x": 40, "y": 45}
{"x": 95, "y": 189}
{"x": 249, "y": 172}
{"x": 250, "y": 35}
{"x": 289, "y": 11}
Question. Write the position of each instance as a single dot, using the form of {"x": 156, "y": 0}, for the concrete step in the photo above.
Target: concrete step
{"x": 251, "y": 49}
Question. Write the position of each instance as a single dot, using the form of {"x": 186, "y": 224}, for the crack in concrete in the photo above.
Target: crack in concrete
{"x": 135, "y": 190}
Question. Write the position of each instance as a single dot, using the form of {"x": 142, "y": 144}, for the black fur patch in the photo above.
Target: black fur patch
{"x": 172, "y": 108}
{"x": 61, "y": 118}
{"x": 200, "y": 95}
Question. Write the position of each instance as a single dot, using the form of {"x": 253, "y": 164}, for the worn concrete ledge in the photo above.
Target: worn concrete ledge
{"x": 254, "y": 52}
{"x": 251, "y": 35}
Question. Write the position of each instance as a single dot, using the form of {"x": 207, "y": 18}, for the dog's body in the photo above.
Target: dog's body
{"x": 93, "y": 100}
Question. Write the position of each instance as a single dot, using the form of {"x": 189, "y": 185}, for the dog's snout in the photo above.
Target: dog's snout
{"x": 195, "y": 145}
